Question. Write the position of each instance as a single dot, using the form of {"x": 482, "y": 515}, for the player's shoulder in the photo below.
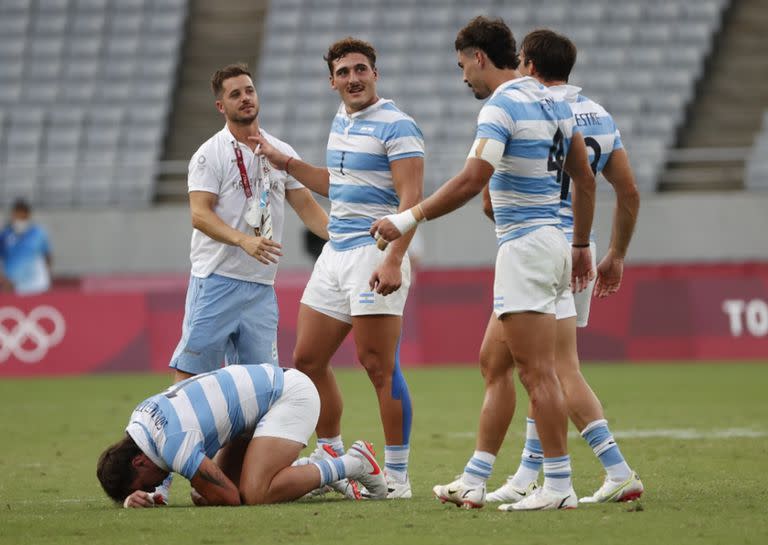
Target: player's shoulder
{"x": 212, "y": 148}
{"x": 585, "y": 103}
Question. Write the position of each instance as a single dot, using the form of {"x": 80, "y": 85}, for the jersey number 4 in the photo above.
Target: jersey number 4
{"x": 556, "y": 161}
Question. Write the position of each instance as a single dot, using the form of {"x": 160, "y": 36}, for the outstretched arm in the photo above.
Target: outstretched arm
{"x": 315, "y": 178}
{"x": 454, "y": 194}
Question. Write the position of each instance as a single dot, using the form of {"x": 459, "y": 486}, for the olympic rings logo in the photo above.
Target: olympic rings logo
{"x": 28, "y": 338}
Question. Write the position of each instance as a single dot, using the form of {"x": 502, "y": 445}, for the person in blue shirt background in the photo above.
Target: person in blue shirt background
{"x": 25, "y": 253}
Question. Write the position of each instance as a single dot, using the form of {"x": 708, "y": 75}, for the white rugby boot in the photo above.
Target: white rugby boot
{"x": 511, "y": 494}
{"x": 617, "y": 491}
{"x": 543, "y": 500}
{"x": 397, "y": 490}
{"x": 461, "y": 494}
{"x": 371, "y": 475}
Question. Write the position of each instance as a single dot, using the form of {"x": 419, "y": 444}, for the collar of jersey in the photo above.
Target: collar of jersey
{"x": 144, "y": 440}
{"x": 569, "y": 93}
{"x": 514, "y": 83}
{"x": 373, "y": 107}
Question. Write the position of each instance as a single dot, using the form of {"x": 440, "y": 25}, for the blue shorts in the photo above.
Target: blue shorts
{"x": 226, "y": 321}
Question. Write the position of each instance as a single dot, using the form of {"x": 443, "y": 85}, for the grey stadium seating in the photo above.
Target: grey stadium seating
{"x": 85, "y": 90}
{"x": 639, "y": 58}
{"x": 757, "y": 163}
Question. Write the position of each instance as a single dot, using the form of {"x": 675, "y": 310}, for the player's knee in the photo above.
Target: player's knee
{"x": 379, "y": 373}
{"x": 253, "y": 495}
{"x": 304, "y": 362}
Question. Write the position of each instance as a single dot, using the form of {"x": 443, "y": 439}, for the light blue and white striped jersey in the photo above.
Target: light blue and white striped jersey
{"x": 361, "y": 147}
{"x": 193, "y": 419}
{"x": 536, "y": 130}
{"x": 601, "y": 136}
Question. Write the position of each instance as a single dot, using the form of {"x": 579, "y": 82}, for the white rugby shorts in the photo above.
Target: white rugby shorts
{"x": 294, "y": 415}
{"x": 339, "y": 286}
{"x": 533, "y": 273}
{"x": 579, "y": 304}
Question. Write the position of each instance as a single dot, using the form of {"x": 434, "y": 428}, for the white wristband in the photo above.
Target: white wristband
{"x": 404, "y": 221}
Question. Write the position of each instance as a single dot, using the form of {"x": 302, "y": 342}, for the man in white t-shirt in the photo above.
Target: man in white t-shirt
{"x": 237, "y": 203}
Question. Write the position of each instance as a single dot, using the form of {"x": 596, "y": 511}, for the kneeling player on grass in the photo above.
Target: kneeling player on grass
{"x": 234, "y": 433}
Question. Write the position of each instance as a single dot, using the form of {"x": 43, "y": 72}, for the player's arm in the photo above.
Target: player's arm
{"x": 487, "y": 204}
{"x": 310, "y": 212}
{"x": 619, "y": 174}
{"x": 315, "y": 178}
{"x": 213, "y": 486}
{"x": 206, "y": 220}
{"x": 408, "y": 180}
{"x": 455, "y": 193}
{"x": 583, "y": 202}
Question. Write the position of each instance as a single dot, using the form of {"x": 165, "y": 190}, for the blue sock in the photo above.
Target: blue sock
{"x": 607, "y": 451}
{"x": 330, "y": 470}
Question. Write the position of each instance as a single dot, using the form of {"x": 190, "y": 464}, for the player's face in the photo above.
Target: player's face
{"x": 469, "y": 62}
{"x": 355, "y": 80}
{"x": 239, "y": 102}
{"x": 148, "y": 475}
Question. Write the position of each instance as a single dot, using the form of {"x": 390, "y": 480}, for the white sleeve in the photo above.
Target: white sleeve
{"x": 204, "y": 171}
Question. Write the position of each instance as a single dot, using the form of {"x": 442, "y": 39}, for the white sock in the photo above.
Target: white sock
{"x": 478, "y": 468}
{"x": 335, "y": 442}
{"x": 396, "y": 462}
{"x": 530, "y": 459}
{"x": 557, "y": 474}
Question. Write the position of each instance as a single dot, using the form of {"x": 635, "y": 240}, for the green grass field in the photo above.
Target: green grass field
{"x": 697, "y": 434}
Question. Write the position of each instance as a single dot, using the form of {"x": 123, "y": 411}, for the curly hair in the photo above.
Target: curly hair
{"x": 114, "y": 469}
{"x": 346, "y": 46}
{"x": 493, "y": 37}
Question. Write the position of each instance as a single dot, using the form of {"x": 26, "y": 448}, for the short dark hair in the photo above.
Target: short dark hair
{"x": 493, "y": 37}
{"x": 21, "y": 205}
{"x": 115, "y": 469}
{"x": 229, "y": 71}
{"x": 553, "y": 54}
{"x": 345, "y": 47}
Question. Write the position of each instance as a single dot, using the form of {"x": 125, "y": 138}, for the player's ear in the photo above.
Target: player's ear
{"x": 220, "y": 106}
{"x": 140, "y": 460}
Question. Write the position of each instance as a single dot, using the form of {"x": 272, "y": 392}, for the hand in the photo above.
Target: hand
{"x": 609, "y": 273}
{"x": 386, "y": 279}
{"x": 385, "y": 230}
{"x": 139, "y": 499}
{"x": 197, "y": 499}
{"x": 582, "y": 272}
{"x": 263, "y": 249}
{"x": 264, "y": 148}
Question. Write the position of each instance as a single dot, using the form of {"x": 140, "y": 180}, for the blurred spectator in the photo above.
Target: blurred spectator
{"x": 25, "y": 253}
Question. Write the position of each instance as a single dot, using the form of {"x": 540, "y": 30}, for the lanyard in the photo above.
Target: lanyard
{"x": 243, "y": 172}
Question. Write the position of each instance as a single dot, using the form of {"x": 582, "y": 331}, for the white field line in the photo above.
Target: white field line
{"x": 659, "y": 433}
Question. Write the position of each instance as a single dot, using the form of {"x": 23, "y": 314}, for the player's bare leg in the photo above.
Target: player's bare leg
{"x": 586, "y": 412}
{"x": 318, "y": 336}
{"x": 531, "y": 338}
{"x": 497, "y": 367}
{"x": 376, "y": 340}
{"x": 582, "y": 403}
{"x": 267, "y": 474}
